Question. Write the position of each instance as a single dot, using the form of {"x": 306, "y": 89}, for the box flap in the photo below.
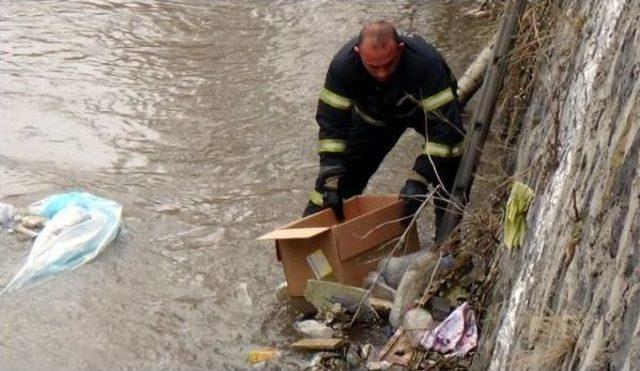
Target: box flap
{"x": 293, "y": 233}
{"x": 368, "y": 230}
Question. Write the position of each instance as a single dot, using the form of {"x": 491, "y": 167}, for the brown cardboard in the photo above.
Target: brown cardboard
{"x": 293, "y": 233}
{"x": 352, "y": 247}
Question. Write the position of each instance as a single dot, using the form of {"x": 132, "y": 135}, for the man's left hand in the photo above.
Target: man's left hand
{"x": 413, "y": 193}
{"x": 332, "y": 199}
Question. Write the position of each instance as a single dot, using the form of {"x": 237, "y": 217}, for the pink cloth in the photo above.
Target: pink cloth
{"x": 457, "y": 333}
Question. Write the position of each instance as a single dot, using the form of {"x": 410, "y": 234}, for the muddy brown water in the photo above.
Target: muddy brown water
{"x": 197, "y": 116}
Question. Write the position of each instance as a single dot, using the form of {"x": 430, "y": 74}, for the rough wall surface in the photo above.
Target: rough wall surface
{"x": 579, "y": 149}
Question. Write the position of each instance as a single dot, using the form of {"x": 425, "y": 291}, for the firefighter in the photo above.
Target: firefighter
{"x": 379, "y": 84}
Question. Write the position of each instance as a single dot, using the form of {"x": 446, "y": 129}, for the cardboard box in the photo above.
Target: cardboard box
{"x": 317, "y": 247}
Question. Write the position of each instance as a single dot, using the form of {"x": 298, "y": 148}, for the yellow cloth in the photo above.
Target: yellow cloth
{"x": 516, "y": 214}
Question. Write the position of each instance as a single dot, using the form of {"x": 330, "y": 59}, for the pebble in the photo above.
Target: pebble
{"x": 416, "y": 322}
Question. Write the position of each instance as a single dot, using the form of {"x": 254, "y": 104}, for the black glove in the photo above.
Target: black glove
{"x": 413, "y": 193}
{"x": 333, "y": 200}
{"x": 331, "y": 196}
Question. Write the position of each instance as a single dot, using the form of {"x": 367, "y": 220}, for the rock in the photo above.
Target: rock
{"x": 380, "y": 288}
{"x": 416, "y": 322}
{"x": 314, "y": 329}
{"x": 24, "y": 231}
{"x": 324, "y": 294}
{"x": 33, "y": 221}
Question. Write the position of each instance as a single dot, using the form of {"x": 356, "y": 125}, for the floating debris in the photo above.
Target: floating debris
{"x": 81, "y": 225}
{"x": 318, "y": 344}
{"x": 261, "y": 355}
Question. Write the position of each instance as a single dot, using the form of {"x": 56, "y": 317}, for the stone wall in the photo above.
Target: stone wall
{"x": 570, "y": 296}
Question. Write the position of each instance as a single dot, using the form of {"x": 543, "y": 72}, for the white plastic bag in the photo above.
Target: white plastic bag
{"x": 6, "y": 216}
{"x": 81, "y": 225}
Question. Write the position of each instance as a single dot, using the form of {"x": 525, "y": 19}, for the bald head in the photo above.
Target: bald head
{"x": 378, "y": 33}
{"x": 380, "y": 48}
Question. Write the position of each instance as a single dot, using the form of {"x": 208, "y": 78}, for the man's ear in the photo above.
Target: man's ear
{"x": 356, "y": 49}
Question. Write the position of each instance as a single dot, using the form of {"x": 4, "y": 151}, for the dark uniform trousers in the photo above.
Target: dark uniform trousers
{"x": 367, "y": 146}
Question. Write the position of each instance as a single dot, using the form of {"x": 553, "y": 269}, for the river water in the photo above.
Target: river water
{"x": 197, "y": 116}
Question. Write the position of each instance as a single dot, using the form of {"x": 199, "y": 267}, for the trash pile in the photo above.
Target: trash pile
{"x": 70, "y": 229}
{"x": 424, "y": 304}
{"x": 437, "y": 331}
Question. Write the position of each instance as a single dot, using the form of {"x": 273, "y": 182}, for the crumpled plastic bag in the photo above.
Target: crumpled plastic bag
{"x": 516, "y": 214}
{"x": 81, "y": 225}
{"x": 314, "y": 329}
{"x": 6, "y": 216}
{"x": 458, "y": 333}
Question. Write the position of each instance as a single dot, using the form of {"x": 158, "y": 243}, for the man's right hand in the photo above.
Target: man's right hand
{"x": 331, "y": 196}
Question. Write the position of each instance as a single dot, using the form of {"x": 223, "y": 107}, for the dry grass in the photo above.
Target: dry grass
{"x": 476, "y": 237}
{"x": 530, "y": 48}
{"x": 552, "y": 337}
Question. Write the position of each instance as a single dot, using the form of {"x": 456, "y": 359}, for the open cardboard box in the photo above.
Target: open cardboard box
{"x": 318, "y": 247}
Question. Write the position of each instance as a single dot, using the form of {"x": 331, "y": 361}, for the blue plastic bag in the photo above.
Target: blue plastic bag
{"x": 81, "y": 225}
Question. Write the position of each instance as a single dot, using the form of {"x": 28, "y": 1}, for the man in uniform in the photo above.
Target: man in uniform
{"x": 377, "y": 85}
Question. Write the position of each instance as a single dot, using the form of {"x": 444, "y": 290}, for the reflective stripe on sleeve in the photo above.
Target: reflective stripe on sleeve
{"x": 335, "y": 100}
{"x": 367, "y": 118}
{"x": 316, "y": 198}
{"x": 442, "y": 150}
{"x": 332, "y": 145}
{"x": 437, "y": 100}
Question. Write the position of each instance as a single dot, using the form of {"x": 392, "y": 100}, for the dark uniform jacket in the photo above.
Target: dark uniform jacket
{"x": 421, "y": 94}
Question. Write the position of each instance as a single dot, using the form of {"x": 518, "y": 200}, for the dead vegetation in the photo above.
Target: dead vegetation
{"x": 476, "y": 238}
{"x": 552, "y": 336}
{"x": 531, "y": 46}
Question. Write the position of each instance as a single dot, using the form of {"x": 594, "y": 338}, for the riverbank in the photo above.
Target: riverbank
{"x": 566, "y": 299}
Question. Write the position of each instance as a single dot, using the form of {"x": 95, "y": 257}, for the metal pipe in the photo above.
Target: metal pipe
{"x": 481, "y": 121}
{"x": 472, "y": 78}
